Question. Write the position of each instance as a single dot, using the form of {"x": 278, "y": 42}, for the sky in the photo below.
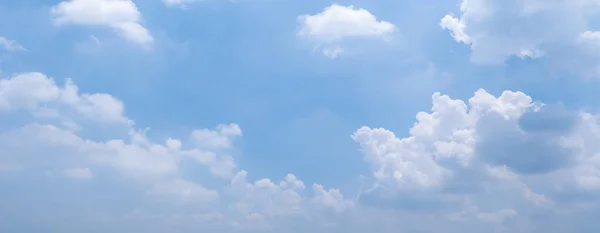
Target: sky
{"x": 251, "y": 116}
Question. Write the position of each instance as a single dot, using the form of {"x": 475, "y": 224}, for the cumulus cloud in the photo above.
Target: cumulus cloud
{"x": 541, "y": 154}
{"x": 264, "y": 197}
{"x": 292, "y": 182}
{"x": 136, "y": 155}
{"x": 35, "y": 92}
{"x": 120, "y": 15}
{"x": 264, "y": 204}
{"x": 492, "y": 162}
{"x": 40, "y": 141}
{"x": 331, "y": 198}
{"x": 336, "y": 24}
{"x": 221, "y": 138}
{"x": 497, "y": 30}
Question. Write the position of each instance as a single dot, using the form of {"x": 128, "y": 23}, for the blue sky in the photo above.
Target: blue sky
{"x": 299, "y": 116}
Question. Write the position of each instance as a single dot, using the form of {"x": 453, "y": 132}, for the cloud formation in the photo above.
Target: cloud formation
{"x": 499, "y": 162}
{"x": 120, "y": 15}
{"x": 52, "y": 140}
{"x": 337, "y": 23}
{"x": 498, "y": 30}
{"x": 534, "y": 157}
{"x": 510, "y": 131}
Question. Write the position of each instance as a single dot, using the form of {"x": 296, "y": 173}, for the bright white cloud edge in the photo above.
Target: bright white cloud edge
{"x": 119, "y": 15}
{"x": 336, "y": 24}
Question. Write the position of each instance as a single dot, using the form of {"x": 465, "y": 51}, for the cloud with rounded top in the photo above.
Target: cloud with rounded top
{"x": 119, "y": 15}
{"x": 497, "y": 30}
{"x": 336, "y": 24}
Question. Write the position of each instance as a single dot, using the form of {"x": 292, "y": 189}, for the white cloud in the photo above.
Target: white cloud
{"x": 331, "y": 198}
{"x": 263, "y": 202}
{"x": 399, "y": 160}
{"x": 336, "y": 23}
{"x": 221, "y": 138}
{"x": 292, "y": 182}
{"x": 457, "y": 163}
{"x": 263, "y": 198}
{"x": 497, "y": 29}
{"x": 79, "y": 173}
{"x": 10, "y": 45}
{"x": 120, "y": 15}
{"x": 36, "y": 92}
{"x": 540, "y": 151}
{"x": 43, "y": 143}
{"x": 134, "y": 155}
{"x": 489, "y": 162}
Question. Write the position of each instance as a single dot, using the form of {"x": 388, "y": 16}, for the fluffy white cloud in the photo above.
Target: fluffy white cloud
{"x": 487, "y": 163}
{"x": 135, "y": 155}
{"x": 39, "y": 94}
{"x": 545, "y": 153}
{"x": 497, "y": 29}
{"x": 492, "y": 162}
{"x": 528, "y": 157}
{"x": 221, "y": 138}
{"x": 120, "y": 15}
{"x": 331, "y": 198}
{"x": 9, "y": 45}
{"x": 292, "y": 182}
{"x": 500, "y": 162}
{"x": 336, "y": 23}
{"x": 263, "y": 203}
{"x": 39, "y": 140}
{"x": 264, "y": 197}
